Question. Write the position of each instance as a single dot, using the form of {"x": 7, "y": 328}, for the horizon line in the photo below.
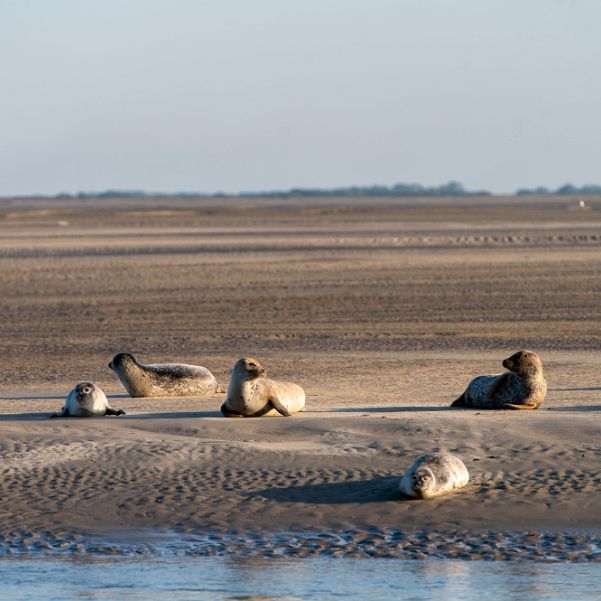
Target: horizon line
{"x": 452, "y": 188}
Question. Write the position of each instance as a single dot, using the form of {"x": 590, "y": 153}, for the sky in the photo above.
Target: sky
{"x": 241, "y": 95}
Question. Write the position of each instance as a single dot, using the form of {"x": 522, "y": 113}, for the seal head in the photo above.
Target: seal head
{"x": 248, "y": 368}
{"x": 121, "y": 360}
{"x": 423, "y": 482}
{"x": 84, "y": 393}
{"x": 524, "y": 362}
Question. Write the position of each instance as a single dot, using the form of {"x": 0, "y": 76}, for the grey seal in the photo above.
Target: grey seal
{"x": 252, "y": 394}
{"x": 163, "y": 379}
{"x": 433, "y": 475}
{"x": 87, "y": 400}
{"x": 522, "y": 387}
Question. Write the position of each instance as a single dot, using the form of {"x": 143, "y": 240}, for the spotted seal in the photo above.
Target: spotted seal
{"x": 252, "y": 394}
{"x": 433, "y": 475}
{"x": 87, "y": 400}
{"x": 522, "y": 387}
{"x": 163, "y": 379}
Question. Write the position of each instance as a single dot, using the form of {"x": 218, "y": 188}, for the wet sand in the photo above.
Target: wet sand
{"x": 382, "y": 309}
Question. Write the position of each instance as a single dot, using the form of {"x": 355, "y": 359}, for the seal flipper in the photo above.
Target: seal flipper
{"x": 461, "y": 402}
{"x": 266, "y": 409}
{"x": 279, "y": 406}
{"x": 110, "y": 411}
{"x": 63, "y": 413}
{"x": 228, "y": 412}
{"x": 520, "y": 407}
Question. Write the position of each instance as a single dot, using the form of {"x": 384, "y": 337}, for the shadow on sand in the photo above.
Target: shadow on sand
{"x": 572, "y": 389}
{"x": 12, "y": 397}
{"x": 45, "y": 415}
{"x": 576, "y": 408}
{"x": 51, "y": 397}
{"x": 377, "y": 490}
{"x": 387, "y": 409}
{"x": 170, "y": 415}
{"x": 27, "y": 417}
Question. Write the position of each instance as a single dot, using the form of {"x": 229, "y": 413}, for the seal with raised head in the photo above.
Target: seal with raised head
{"x": 252, "y": 394}
{"x": 87, "y": 400}
{"x": 522, "y": 387}
{"x": 433, "y": 475}
{"x": 163, "y": 379}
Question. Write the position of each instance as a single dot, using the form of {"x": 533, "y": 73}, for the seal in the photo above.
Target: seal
{"x": 433, "y": 475}
{"x": 252, "y": 394}
{"x": 87, "y": 400}
{"x": 163, "y": 379}
{"x": 522, "y": 387}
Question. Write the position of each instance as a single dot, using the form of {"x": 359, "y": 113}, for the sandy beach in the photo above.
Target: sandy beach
{"x": 382, "y": 309}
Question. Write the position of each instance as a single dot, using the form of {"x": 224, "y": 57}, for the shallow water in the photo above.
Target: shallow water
{"x": 323, "y": 579}
{"x": 351, "y": 544}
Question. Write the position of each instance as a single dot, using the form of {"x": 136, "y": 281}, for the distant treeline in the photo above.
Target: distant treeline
{"x": 449, "y": 189}
{"x": 565, "y": 189}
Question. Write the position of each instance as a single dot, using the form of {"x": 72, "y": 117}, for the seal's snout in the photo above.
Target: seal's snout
{"x": 256, "y": 372}
{"x": 253, "y": 368}
{"x": 110, "y": 365}
{"x": 82, "y": 391}
{"x": 514, "y": 363}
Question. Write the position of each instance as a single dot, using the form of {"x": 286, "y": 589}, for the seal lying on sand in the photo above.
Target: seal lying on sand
{"x": 432, "y": 475}
{"x": 252, "y": 394}
{"x": 87, "y": 400}
{"x": 163, "y": 379}
{"x": 522, "y": 387}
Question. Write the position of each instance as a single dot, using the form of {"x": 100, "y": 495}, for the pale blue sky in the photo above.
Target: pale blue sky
{"x": 230, "y": 95}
